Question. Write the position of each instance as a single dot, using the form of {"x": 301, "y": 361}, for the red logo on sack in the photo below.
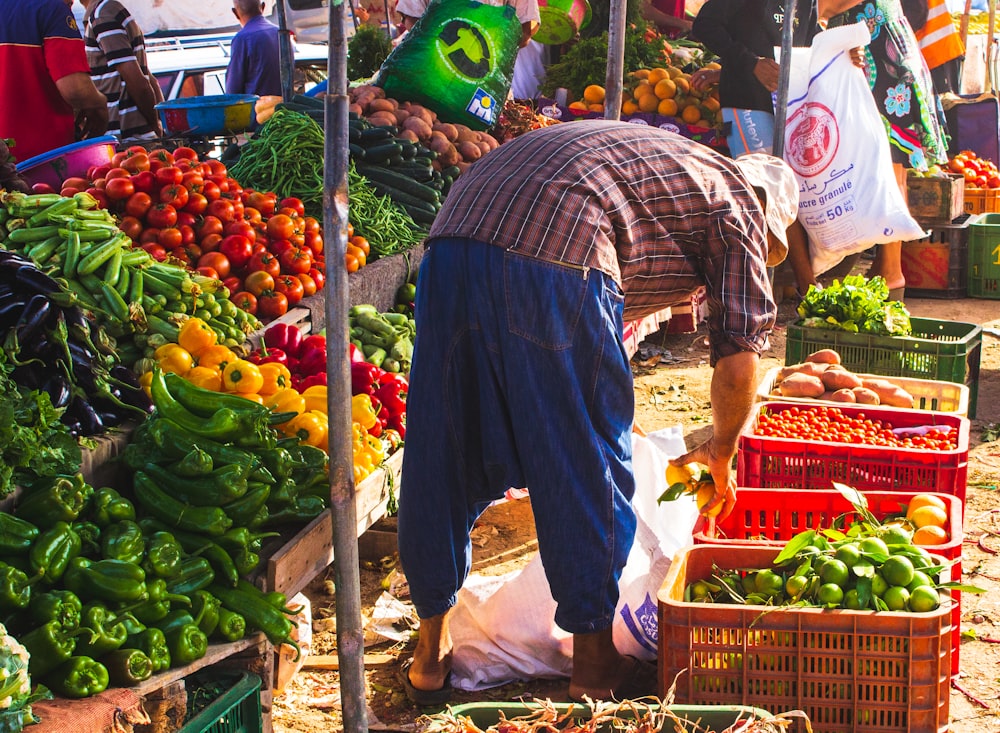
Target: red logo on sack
{"x": 813, "y": 139}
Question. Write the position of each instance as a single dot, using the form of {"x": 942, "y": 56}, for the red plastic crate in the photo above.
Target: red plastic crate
{"x": 784, "y": 463}
{"x": 850, "y": 671}
{"x": 771, "y": 517}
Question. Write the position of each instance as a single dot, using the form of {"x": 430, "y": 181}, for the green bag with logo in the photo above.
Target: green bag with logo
{"x": 458, "y": 60}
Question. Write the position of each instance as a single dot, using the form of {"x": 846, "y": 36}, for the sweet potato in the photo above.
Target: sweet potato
{"x": 836, "y": 377}
{"x": 865, "y": 396}
{"x": 409, "y": 135}
{"x": 812, "y": 368}
{"x": 801, "y": 385}
{"x": 888, "y": 393}
{"x": 843, "y": 395}
{"x": 447, "y": 129}
{"x": 466, "y": 134}
{"x": 382, "y": 119}
{"x": 824, "y": 356}
{"x": 449, "y": 156}
{"x": 469, "y": 151}
{"x": 382, "y": 105}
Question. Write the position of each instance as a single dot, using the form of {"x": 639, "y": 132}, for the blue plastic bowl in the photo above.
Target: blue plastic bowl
{"x": 219, "y": 114}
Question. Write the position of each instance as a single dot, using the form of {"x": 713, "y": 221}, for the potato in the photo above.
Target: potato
{"x": 865, "y": 396}
{"x": 356, "y": 109}
{"x": 418, "y": 110}
{"x": 447, "y": 129}
{"x": 383, "y": 105}
{"x": 449, "y": 156}
{"x": 487, "y": 138}
{"x": 889, "y": 393}
{"x": 835, "y": 377}
{"x": 466, "y": 134}
{"x": 401, "y": 116}
{"x": 801, "y": 385}
{"x": 469, "y": 151}
{"x": 484, "y": 148}
{"x": 843, "y": 395}
{"x": 418, "y": 126}
{"x": 382, "y": 119}
{"x": 812, "y": 368}
{"x": 438, "y": 142}
{"x": 824, "y": 356}
{"x": 408, "y": 135}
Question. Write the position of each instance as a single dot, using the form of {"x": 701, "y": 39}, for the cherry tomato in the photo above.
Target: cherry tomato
{"x": 138, "y": 204}
{"x": 161, "y": 215}
{"x": 217, "y": 261}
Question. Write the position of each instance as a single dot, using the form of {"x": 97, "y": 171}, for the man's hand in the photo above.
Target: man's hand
{"x": 766, "y": 71}
{"x": 92, "y": 122}
{"x": 703, "y": 79}
{"x": 719, "y": 464}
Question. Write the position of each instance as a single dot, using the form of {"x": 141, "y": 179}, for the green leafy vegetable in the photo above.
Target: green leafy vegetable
{"x": 857, "y": 304}
{"x": 33, "y": 442}
{"x": 366, "y": 51}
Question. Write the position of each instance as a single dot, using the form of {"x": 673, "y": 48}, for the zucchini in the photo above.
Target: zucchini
{"x": 403, "y": 198}
{"x": 452, "y": 172}
{"x": 420, "y": 216}
{"x": 399, "y": 181}
{"x": 380, "y": 153}
{"x": 313, "y": 102}
{"x": 377, "y": 135}
{"x": 419, "y": 173}
{"x": 357, "y": 152}
{"x": 409, "y": 150}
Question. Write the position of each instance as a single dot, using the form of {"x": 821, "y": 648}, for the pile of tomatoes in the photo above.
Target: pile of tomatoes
{"x": 978, "y": 172}
{"x": 266, "y": 251}
{"x": 832, "y": 425}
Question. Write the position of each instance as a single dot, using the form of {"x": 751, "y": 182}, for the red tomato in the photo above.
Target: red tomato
{"x": 272, "y": 305}
{"x": 136, "y": 163}
{"x": 222, "y": 209}
{"x": 293, "y": 203}
{"x": 117, "y": 158}
{"x": 98, "y": 171}
{"x": 311, "y": 225}
{"x": 241, "y": 227}
{"x": 187, "y": 237}
{"x": 210, "y": 242}
{"x": 291, "y": 287}
{"x": 68, "y": 192}
{"x": 138, "y": 204}
{"x": 144, "y": 181}
{"x": 196, "y": 203}
{"x": 208, "y": 272}
{"x": 980, "y": 181}
{"x": 211, "y": 190}
{"x": 308, "y": 285}
{"x": 279, "y": 246}
{"x": 119, "y": 189}
{"x": 80, "y": 184}
{"x": 314, "y": 242}
{"x": 294, "y": 261}
{"x": 100, "y": 196}
{"x": 158, "y": 253}
{"x": 994, "y": 181}
{"x": 246, "y": 301}
{"x": 235, "y": 187}
{"x": 217, "y": 261}
{"x": 135, "y": 149}
{"x": 117, "y": 172}
{"x": 184, "y": 152}
{"x": 318, "y": 276}
{"x": 280, "y": 226}
{"x": 232, "y": 283}
{"x": 193, "y": 181}
{"x": 264, "y": 262}
{"x": 162, "y": 156}
{"x": 131, "y": 226}
{"x": 217, "y": 167}
{"x": 291, "y": 214}
{"x": 259, "y": 282}
{"x": 175, "y": 195}
{"x": 237, "y": 248}
{"x": 252, "y": 217}
{"x": 170, "y": 238}
{"x": 208, "y": 225}
{"x": 170, "y": 175}
{"x": 265, "y": 203}
{"x": 161, "y": 215}
{"x": 186, "y": 218}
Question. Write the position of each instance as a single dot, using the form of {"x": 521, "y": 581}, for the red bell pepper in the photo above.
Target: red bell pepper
{"x": 355, "y": 353}
{"x": 398, "y": 424}
{"x": 312, "y": 379}
{"x": 364, "y": 378}
{"x": 392, "y": 395}
{"x": 283, "y": 336}
{"x": 264, "y": 355}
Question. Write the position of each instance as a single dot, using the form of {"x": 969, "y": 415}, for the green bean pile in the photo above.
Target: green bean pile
{"x": 286, "y": 157}
{"x": 387, "y": 227}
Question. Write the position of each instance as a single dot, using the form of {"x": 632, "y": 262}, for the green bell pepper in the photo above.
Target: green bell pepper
{"x": 15, "y": 589}
{"x": 61, "y": 606}
{"x": 16, "y": 534}
{"x": 49, "y": 645}
{"x": 197, "y": 462}
{"x": 231, "y": 627}
{"x": 186, "y": 642}
{"x": 205, "y": 609}
{"x": 159, "y": 602}
{"x": 194, "y": 574}
{"x": 90, "y": 538}
{"x": 54, "y": 499}
{"x": 108, "y": 506}
{"x": 117, "y": 581}
{"x": 109, "y": 631}
{"x": 246, "y": 561}
{"x": 77, "y": 677}
{"x": 279, "y": 462}
{"x": 53, "y": 550}
{"x": 154, "y": 644}
{"x": 163, "y": 555}
{"x": 123, "y": 540}
{"x": 128, "y": 667}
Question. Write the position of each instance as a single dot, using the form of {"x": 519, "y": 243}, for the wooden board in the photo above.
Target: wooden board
{"x": 308, "y": 553}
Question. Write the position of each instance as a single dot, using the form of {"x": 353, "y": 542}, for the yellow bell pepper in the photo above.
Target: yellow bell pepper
{"x": 174, "y": 358}
{"x": 196, "y": 336}
{"x": 310, "y": 427}
{"x": 276, "y": 377}
{"x": 242, "y": 376}
{"x": 216, "y": 357}
{"x": 315, "y": 398}
{"x": 285, "y": 400}
{"x": 259, "y": 399}
{"x": 204, "y": 377}
{"x": 145, "y": 380}
{"x": 362, "y": 411}
{"x": 362, "y": 459}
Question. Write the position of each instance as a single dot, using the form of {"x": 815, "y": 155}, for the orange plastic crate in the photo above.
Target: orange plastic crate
{"x": 982, "y": 200}
{"x": 771, "y": 517}
{"x": 850, "y": 671}
{"x": 769, "y": 462}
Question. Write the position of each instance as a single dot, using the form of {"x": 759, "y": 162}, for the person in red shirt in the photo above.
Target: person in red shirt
{"x": 49, "y": 98}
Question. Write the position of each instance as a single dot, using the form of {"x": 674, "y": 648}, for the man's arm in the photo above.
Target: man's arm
{"x": 90, "y": 106}
{"x": 236, "y": 71}
{"x": 141, "y": 92}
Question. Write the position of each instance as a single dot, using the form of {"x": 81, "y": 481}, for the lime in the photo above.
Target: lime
{"x": 879, "y": 586}
{"x": 747, "y": 581}
{"x": 897, "y": 570}
{"x": 796, "y": 584}
{"x": 919, "y": 578}
{"x": 699, "y": 590}
{"x": 896, "y": 534}
{"x": 896, "y": 597}
{"x": 834, "y": 571}
{"x": 873, "y": 546}
{"x": 830, "y": 594}
{"x": 848, "y": 554}
{"x": 851, "y": 600}
{"x": 924, "y": 599}
{"x": 769, "y": 582}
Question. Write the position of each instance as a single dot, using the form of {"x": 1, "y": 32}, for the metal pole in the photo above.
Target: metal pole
{"x": 286, "y": 57}
{"x": 347, "y": 580}
{"x": 990, "y": 80}
{"x": 784, "y": 72}
{"x": 616, "y": 61}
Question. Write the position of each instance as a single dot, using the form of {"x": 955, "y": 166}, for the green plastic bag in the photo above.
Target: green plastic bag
{"x": 458, "y": 60}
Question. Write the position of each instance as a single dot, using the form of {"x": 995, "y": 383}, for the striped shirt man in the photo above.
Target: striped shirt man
{"x": 660, "y": 214}
{"x": 113, "y": 38}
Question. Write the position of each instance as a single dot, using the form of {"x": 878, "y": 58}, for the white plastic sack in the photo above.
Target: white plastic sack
{"x": 836, "y": 143}
{"x": 503, "y": 628}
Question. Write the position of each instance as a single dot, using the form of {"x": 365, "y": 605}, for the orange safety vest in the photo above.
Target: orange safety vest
{"x": 938, "y": 39}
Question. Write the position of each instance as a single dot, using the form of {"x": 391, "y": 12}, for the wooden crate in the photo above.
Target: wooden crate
{"x": 301, "y": 558}
{"x": 935, "y": 200}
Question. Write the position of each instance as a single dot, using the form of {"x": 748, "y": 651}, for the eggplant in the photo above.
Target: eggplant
{"x": 58, "y": 389}
{"x": 29, "y": 326}
{"x": 29, "y": 377}
{"x": 10, "y": 313}
{"x": 82, "y": 412}
{"x": 37, "y": 281}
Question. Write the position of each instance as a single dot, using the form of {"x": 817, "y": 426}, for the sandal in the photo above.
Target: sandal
{"x": 424, "y": 698}
{"x": 897, "y": 293}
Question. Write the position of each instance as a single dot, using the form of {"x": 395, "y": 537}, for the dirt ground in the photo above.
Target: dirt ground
{"x": 672, "y": 389}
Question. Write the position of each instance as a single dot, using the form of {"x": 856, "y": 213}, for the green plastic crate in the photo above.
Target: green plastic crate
{"x": 694, "y": 717}
{"x": 984, "y": 256}
{"x": 235, "y": 711}
{"x": 947, "y": 351}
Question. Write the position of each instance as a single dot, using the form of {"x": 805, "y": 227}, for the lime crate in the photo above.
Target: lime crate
{"x": 937, "y": 265}
{"x": 771, "y": 517}
{"x": 984, "y": 256}
{"x": 928, "y": 394}
{"x": 785, "y": 463}
{"x": 947, "y": 351}
{"x": 237, "y": 710}
{"x": 849, "y": 671}
{"x": 692, "y": 718}
{"x": 935, "y": 199}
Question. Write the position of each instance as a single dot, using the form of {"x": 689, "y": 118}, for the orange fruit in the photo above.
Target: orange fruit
{"x": 594, "y": 94}
{"x": 656, "y": 75}
{"x": 921, "y": 500}
{"x": 929, "y": 516}
{"x": 641, "y": 88}
{"x": 711, "y": 104}
{"x": 682, "y": 83}
{"x": 704, "y": 497}
{"x": 930, "y": 535}
{"x": 691, "y": 114}
{"x": 667, "y": 107}
{"x": 582, "y": 106}
{"x": 665, "y": 89}
{"x": 595, "y": 107}
{"x": 641, "y": 73}
{"x": 648, "y": 102}
{"x": 629, "y": 107}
